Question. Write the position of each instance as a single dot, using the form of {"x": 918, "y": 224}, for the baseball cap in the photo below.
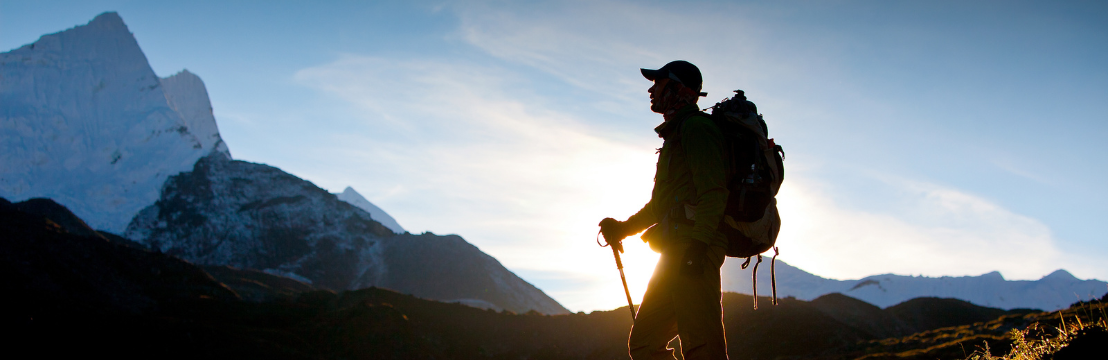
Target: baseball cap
{"x": 680, "y": 70}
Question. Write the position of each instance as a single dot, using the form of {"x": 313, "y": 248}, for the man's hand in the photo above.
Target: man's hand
{"x": 614, "y": 231}
{"x": 693, "y": 262}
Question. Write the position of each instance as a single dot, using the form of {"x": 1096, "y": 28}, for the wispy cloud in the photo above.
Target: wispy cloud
{"x": 933, "y": 231}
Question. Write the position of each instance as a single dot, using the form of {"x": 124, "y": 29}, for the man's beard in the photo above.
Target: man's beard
{"x": 657, "y": 107}
{"x": 663, "y": 104}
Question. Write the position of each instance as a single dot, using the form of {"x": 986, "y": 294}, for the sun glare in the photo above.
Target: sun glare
{"x": 604, "y": 179}
{"x": 638, "y": 263}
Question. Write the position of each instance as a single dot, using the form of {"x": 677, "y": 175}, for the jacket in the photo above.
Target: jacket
{"x": 690, "y": 185}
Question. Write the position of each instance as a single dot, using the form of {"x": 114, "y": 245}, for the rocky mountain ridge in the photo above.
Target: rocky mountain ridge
{"x": 253, "y": 216}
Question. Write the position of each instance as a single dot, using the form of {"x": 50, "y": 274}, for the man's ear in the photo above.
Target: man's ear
{"x": 685, "y": 91}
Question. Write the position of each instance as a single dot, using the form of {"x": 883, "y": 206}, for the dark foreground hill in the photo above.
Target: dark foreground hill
{"x": 71, "y": 295}
{"x": 51, "y": 273}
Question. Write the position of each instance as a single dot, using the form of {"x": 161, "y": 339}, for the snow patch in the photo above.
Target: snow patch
{"x": 354, "y": 198}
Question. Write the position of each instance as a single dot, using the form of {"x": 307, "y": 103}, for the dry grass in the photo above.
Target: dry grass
{"x": 1042, "y": 340}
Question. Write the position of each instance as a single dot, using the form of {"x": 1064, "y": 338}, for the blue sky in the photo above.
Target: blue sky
{"x": 923, "y": 138}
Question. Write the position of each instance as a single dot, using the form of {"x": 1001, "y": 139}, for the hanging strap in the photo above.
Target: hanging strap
{"x": 754, "y": 275}
{"x": 773, "y": 274}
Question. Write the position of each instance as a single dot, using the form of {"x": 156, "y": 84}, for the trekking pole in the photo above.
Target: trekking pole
{"x": 619, "y": 265}
{"x": 626, "y": 291}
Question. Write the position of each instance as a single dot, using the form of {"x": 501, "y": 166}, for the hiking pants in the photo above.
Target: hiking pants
{"x": 681, "y": 305}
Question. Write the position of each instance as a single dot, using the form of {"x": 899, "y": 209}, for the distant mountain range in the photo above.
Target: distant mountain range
{"x": 1052, "y": 292}
{"x": 87, "y": 123}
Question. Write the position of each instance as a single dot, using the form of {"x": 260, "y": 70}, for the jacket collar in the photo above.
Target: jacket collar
{"x": 674, "y": 119}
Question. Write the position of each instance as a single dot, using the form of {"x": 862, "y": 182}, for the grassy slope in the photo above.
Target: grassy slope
{"x": 994, "y": 338}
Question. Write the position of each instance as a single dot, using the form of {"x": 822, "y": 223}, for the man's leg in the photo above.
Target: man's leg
{"x": 656, "y": 321}
{"x": 697, "y": 303}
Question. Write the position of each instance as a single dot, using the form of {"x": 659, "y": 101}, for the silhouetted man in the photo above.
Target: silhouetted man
{"x": 687, "y": 203}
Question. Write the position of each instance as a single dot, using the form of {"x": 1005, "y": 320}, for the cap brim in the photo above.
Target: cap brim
{"x": 652, "y": 74}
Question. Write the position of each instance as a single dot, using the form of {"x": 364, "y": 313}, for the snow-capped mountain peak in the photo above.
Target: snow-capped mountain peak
{"x": 187, "y": 94}
{"x": 86, "y": 122}
{"x": 354, "y": 198}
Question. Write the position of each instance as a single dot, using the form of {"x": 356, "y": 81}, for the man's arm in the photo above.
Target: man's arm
{"x": 642, "y": 219}
{"x": 703, "y": 143}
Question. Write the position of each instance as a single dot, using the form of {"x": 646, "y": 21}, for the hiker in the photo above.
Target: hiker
{"x": 683, "y": 296}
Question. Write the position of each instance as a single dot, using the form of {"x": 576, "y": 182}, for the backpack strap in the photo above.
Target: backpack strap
{"x": 754, "y": 275}
{"x": 773, "y": 274}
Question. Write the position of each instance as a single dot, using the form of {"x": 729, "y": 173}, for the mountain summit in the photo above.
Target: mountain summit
{"x": 354, "y": 198}
{"x": 86, "y": 122}
{"x": 187, "y": 94}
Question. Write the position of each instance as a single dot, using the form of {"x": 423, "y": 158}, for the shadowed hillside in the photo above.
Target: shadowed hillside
{"x": 49, "y": 272}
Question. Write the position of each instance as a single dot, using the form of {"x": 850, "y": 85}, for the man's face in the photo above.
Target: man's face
{"x": 659, "y": 97}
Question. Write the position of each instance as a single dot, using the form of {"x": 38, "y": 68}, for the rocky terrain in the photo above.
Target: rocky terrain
{"x": 253, "y": 216}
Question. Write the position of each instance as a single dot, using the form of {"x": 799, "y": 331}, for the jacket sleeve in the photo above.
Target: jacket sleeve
{"x": 703, "y": 143}
{"x": 642, "y": 219}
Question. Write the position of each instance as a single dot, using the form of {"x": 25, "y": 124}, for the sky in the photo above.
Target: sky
{"x": 937, "y": 138}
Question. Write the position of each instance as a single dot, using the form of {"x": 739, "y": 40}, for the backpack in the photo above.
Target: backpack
{"x": 755, "y": 170}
